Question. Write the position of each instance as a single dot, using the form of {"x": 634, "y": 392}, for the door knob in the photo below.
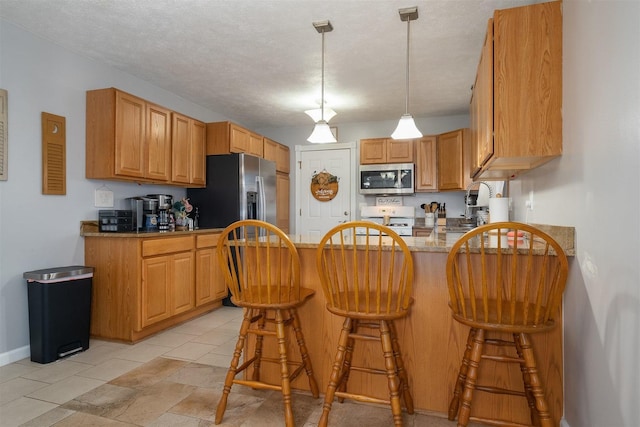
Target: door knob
{"x": 346, "y": 213}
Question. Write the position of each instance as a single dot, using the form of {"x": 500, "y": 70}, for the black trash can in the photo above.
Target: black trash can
{"x": 59, "y": 311}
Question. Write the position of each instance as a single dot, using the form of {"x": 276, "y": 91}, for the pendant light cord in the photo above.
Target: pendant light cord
{"x": 406, "y": 105}
{"x": 322, "y": 87}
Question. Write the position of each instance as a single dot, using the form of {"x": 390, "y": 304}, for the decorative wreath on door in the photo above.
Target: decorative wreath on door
{"x": 324, "y": 186}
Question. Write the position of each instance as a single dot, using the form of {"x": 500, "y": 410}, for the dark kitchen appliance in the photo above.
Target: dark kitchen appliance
{"x": 239, "y": 186}
{"x": 113, "y": 221}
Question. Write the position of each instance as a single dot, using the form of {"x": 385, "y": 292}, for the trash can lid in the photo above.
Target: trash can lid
{"x": 57, "y": 272}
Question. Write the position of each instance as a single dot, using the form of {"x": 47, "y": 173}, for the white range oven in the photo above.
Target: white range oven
{"x": 398, "y": 218}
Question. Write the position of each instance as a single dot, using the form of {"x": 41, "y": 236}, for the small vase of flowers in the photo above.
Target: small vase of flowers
{"x": 182, "y": 209}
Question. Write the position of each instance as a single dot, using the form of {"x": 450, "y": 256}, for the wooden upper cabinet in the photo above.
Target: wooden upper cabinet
{"x": 256, "y": 145}
{"x": 181, "y": 152}
{"x": 481, "y": 130}
{"x": 188, "y": 150}
{"x": 270, "y": 150}
{"x": 198, "y": 153}
{"x": 426, "y": 164}
{"x": 130, "y": 139}
{"x": 238, "y": 139}
{"x": 277, "y": 153}
{"x": 516, "y": 105}
{"x": 386, "y": 150}
{"x": 227, "y": 137}
{"x": 115, "y": 135}
{"x": 283, "y": 160}
{"x": 373, "y": 150}
{"x": 453, "y": 160}
{"x": 158, "y": 134}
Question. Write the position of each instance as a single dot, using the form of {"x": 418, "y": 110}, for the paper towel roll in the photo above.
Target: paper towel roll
{"x": 499, "y": 209}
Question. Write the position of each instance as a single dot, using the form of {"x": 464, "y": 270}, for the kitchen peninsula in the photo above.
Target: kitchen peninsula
{"x": 432, "y": 343}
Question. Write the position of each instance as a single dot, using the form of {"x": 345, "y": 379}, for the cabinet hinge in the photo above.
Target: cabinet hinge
{"x": 300, "y": 164}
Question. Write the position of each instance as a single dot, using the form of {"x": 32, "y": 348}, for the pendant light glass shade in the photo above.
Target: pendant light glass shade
{"x": 321, "y": 132}
{"x": 406, "y": 126}
{"x": 317, "y": 113}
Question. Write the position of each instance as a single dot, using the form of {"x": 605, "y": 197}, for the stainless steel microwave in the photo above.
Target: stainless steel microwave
{"x": 397, "y": 178}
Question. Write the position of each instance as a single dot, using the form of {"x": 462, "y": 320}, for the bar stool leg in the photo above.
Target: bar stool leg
{"x": 284, "y": 368}
{"x": 402, "y": 372}
{"x": 231, "y": 373}
{"x": 527, "y": 383}
{"x": 306, "y": 360}
{"x": 335, "y": 373}
{"x": 472, "y": 377}
{"x": 392, "y": 373}
{"x": 543, "y": 414}
{"x": 454, "y": 406}
{"x": 346, "y": 364}
{"x": 258, "y": 351}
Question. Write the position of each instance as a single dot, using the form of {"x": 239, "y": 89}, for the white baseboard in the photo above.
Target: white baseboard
{"x": 15, "y": 355}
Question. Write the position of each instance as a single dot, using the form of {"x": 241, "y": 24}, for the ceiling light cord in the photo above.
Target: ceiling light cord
{"x": 406, "y": 99}
{"x": 322, "y": 88}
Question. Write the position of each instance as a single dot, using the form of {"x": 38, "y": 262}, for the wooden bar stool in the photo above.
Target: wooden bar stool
{"x": 369, "y": 283}
{"x": 506, "y": 282}
{"x": 262, "y": 270}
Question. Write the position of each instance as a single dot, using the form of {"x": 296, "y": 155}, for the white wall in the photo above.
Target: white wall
{"x": 595, "y": 186}
{"x": 38, "y": 231}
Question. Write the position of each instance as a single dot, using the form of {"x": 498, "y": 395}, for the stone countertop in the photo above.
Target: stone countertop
{"x": 90, "y": 229}
{"x": 443, "y": 241}
{"x": 434, "y": 242}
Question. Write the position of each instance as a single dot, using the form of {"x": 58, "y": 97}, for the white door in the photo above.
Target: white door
{"x": 315, "y": 217}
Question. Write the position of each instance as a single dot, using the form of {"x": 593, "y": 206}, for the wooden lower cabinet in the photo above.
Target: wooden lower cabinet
{"x": 142, "y": 285}
{"x": 167, "y": 286}
{"x": 210, "y": 284}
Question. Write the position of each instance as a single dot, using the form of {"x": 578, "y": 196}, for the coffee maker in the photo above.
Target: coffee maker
{"x": 164, "y": 203}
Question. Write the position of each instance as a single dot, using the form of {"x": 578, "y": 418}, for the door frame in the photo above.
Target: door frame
{"x": 351, "y": 146}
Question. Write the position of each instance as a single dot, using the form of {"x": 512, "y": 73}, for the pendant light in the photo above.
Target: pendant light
{"x": 406, "y": 126}
{"x": 321, "y": 132}
{"x": 317, "y": 113}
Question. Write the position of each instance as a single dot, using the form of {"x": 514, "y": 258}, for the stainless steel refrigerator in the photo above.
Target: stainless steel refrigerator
{"x": 239, "y": 186}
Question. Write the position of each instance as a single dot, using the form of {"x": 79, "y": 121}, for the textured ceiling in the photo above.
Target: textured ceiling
{"x": 259, "y": 61}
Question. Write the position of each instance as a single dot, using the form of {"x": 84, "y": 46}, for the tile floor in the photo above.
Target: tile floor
{"x": 171, "y": 379}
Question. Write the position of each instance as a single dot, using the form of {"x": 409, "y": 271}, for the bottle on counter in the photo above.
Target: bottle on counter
{"x": 195, "y": 220}
{"x": 172, "y": 222}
